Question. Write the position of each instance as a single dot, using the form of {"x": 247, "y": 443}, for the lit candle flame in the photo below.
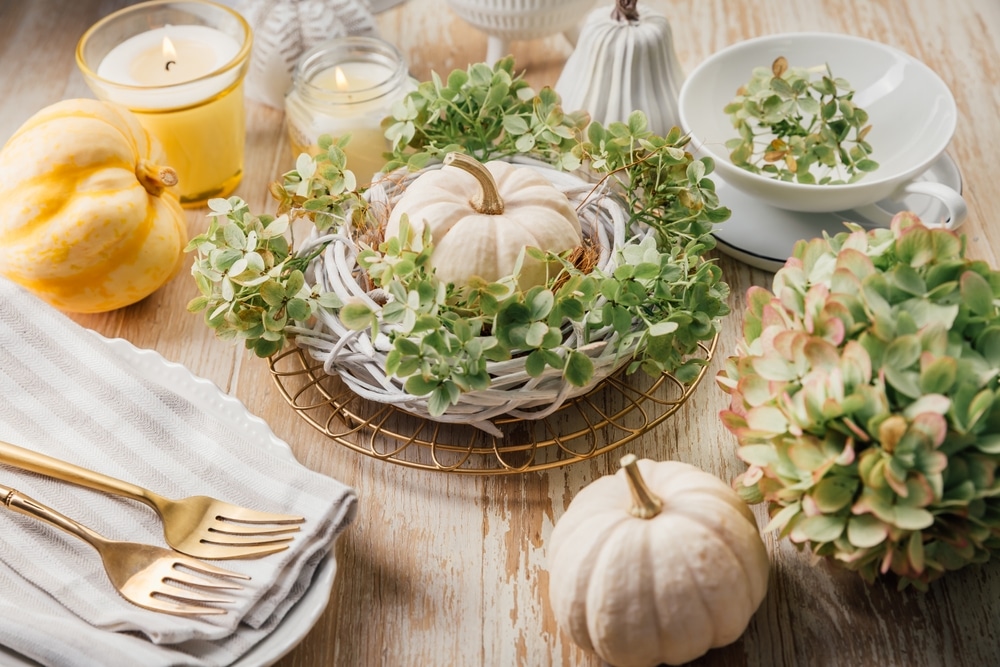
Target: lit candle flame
{"x": 341, "y": 80}
{"x": 169, "y": 52}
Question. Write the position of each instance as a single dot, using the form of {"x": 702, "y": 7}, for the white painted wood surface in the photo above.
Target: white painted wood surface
{"x": 448, "y": 570}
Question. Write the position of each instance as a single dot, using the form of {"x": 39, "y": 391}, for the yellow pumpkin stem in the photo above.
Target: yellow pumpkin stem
{"x": 488, "y": 200}
{"x": 155, "y": 178}
{"x": 646, "y": 504}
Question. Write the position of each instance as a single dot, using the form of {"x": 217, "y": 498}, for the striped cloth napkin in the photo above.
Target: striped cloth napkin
{"x": 69, "y": 393}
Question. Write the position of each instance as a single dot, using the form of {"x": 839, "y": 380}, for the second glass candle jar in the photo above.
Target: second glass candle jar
{"x": 346, "y": 87}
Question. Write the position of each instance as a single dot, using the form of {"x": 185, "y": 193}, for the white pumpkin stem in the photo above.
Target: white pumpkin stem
{"x": 155, "y": 178}
{"x": 488, "y": 200}
{"x": 625, "y": 10}
{"x": 646, "y": 504}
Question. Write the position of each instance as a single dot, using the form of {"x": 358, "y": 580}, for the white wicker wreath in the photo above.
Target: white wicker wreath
{"x": 358, "y": 357}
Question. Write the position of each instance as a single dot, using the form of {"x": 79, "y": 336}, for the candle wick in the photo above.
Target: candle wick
{"x": 169, "y": 63}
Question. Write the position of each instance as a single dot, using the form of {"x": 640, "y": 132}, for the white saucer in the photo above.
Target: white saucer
{"x": 763, "y": 236}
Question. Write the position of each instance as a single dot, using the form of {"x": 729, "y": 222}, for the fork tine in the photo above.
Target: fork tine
{"x": 246, "y": 515}
{"x": 204, "y": 582}
{"x": 207, "y": 568}
{"x": 225, "y": 539}
{"x": 177, "y": 608}
{"x": 229, "y": 528}
{"x": 222, "y": 551}
{"x": 186, "y": 595}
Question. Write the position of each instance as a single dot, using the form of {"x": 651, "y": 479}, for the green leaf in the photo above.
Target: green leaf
{"x": 621, "y": 320}
{"x": 299, "y": 310}
{"x": 988, "y": 344}
{"x": 525, "y": 143}
{"x": 758, "y": 455}
{"x": 939, "y": 376}
{"x": 579, "y": 369}
{"x": 976, "y": 293}
{"x": 834, "y": 493}
{"x": 197, "y": 304}
{"x": 534, "y": 363}
{"x": 515, "y": 124}
{"x": 418, "y": 385}
{"x": 989, "y": 444}
{"x": 821, "y": 528}
{"x": 356, "y": 316}
{"x": 783, "y": 517}
{"x": 272, "y": 292}
{"x": 637, "y": 123}
{"x": 913, "y": 518}
{"x": 905, "y": 382}
{"x": 541, "y": 303}
{"x": 439, "y": 401}
{"x": 865, "y": 531}
{"x": 536, "y": 334}
{"x": 265, "y": 348}
{"x": 903, "y": 352}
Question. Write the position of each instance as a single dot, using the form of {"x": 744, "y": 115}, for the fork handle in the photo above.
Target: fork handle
{"x": 18, "y": 502}
{"x": 26, "y": 459}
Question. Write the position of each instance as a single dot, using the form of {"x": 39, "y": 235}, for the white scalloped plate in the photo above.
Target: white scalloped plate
{"x": 296, "y": 624}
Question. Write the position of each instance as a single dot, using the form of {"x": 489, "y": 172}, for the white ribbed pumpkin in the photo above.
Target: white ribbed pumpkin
{"x": 624, "y": 62}
{"x": 657, "y": 566}
{"x": 483, "y": 215}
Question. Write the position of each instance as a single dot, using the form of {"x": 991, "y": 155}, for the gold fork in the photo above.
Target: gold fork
{"x": 198, "y": 526}
{"x": 143, "y": 574}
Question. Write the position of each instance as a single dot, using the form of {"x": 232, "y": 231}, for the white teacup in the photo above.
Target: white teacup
{"x": 911, "y": 110}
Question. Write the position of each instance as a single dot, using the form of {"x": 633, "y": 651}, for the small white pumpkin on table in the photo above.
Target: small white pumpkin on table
{"x": 657, "y": 563}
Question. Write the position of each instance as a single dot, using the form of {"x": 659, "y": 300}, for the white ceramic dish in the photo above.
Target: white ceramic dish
{"x": 506, "y": 21}
{"x": 379, "y": 6}
{"x": 911, "y": 110}
{"x": 150, "y": 365}
{"x": 763, "y": 236}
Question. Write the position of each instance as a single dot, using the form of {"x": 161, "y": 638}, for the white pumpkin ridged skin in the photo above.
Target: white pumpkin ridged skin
{"x": 78, "y": 228}
{"x": 619, "y": 66}
{"x": 641, "y": 592}
{"x": 468, "y": 243}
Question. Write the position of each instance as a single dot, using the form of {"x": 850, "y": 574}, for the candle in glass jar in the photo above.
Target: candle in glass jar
{"x": 344, "y": 88}
{"x": 184, "y": 83}
{"x": 168, "y": 56}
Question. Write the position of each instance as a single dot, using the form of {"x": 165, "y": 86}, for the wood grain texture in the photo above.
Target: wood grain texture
{"x": 450, "y": 570}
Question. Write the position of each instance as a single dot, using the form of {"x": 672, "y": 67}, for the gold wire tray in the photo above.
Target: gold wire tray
{"x": 613, "y": 413}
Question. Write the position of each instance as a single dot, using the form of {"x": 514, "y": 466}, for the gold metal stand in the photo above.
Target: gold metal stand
{"x": 616, "y": 411}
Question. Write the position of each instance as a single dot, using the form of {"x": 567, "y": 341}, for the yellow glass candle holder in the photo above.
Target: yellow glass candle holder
{"x": 347, "y": 86}
{"x": 179, "y": 66}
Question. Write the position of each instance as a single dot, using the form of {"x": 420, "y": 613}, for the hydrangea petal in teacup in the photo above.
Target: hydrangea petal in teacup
{"x": 285, "y": 29}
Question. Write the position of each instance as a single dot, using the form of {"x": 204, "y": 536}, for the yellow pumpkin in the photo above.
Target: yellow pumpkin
{"x": 86, "y": 221}
{"x": 482, "y": 217}
{"x": 645, "y": 575}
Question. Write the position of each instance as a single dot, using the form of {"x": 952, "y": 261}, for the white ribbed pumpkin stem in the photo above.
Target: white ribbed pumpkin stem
{"x": 488, "y": 200}
{"x": 625, "y": 10}
{"x": 155, "y": 178}
{"x": 645, "y": 503}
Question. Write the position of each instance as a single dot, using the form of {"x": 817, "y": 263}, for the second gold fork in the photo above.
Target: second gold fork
{"x": 143, "y": 574}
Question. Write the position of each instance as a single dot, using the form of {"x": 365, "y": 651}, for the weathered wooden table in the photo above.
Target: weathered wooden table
{"x": 444, "y": 569}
